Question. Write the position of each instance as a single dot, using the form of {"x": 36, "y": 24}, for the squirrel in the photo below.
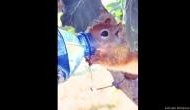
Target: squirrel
{"x": 114, "y": 53}
{"x": 113, "y": 50}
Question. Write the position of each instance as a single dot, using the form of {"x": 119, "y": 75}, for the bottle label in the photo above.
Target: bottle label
{"x": 69, "y": 38}
{"x": 74, "y": 50}
{"x": 61, "y": 47}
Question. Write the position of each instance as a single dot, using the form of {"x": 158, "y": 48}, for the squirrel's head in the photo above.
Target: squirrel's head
{"x": 112, "y": 46}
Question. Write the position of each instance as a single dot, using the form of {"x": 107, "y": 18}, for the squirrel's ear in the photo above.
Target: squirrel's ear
{"x": 105, "y": 16}
{"x": 119, "y": 26}
{"x": 107, "y": 20}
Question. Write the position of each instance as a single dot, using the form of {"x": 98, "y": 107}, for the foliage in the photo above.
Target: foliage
{"x": 116, "y": 7}
{"x": 59, "y": 18}
{"x": 67, "y": 28}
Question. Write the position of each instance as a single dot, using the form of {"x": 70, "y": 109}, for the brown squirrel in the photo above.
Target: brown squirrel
{"x": 113, "y": 50}
{"x": 114, "y": 53}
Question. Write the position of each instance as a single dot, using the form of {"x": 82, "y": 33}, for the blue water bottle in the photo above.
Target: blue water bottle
{"x": 71, "y": 50}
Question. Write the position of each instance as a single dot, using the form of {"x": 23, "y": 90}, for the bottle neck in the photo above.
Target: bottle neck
{"x": 84, "y": 39}
{"x": 89, "y": 42}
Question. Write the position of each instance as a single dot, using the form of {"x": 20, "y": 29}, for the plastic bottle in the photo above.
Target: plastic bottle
{"x": 71, "y": 50}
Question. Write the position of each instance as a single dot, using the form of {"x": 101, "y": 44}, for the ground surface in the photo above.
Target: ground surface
{"x": 75, "y": 94}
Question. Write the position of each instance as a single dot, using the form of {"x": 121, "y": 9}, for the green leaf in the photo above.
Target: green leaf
{"x": 59, "y": 19}
{"x": 109, "y": 8}
{"x": 69, "y": 29}
{"x": 118, "y": 13}
{"x": 114, "y": 8}
{"x": 113, "y": 4}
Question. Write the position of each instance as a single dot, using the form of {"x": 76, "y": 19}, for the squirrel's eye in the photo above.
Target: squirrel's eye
{"x": 104, "y": 33}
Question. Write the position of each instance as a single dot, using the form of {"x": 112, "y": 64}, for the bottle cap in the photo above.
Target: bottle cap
{"x": 90, "y": 44}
